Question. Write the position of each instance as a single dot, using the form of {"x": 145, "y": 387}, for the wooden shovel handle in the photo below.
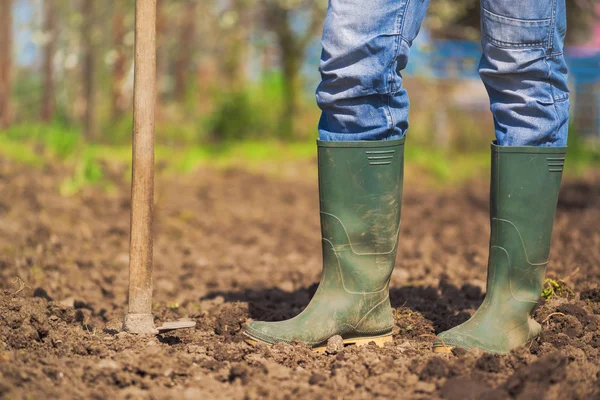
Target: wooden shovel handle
{"x": 142, "y": 187}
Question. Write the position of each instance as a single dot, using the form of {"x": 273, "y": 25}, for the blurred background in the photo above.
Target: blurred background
{"x": 236, "y": 82}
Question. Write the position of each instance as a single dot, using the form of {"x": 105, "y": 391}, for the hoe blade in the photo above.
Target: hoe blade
{"x": 171, "y": 326}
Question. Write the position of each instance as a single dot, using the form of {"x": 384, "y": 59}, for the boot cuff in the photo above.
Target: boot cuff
{"x": 361, "y": 143}
{"x": 527, "y": 149}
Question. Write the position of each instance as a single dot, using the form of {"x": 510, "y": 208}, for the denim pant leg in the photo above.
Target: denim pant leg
{"x": 524, "y": 70}
{"x": 365, "y": 46}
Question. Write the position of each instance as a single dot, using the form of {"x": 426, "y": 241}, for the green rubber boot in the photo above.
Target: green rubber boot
{"x": 523, "y": 196}
{"x": 360, "y": 189}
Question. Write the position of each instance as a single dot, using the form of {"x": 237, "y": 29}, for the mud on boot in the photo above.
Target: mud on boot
{"x": 360, "y": 190}
{"x": 523, "y": 196}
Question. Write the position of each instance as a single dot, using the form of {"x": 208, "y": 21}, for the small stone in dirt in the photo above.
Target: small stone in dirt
{"x": 317, "y": 379}
{"x": 113, "y": 326}
{"x": 152, "y": 341}
{"x": 68, "y": 302}
{"x": 335, "y": 344}
{"x": 39, "y": 292}
{"x": 108, "y": 364}
{"x": 287, "y": 286}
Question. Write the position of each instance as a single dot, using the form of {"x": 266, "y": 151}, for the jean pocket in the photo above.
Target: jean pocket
{"x": 513, "y": 32}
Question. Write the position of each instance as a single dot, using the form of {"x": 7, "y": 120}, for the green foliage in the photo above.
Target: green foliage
{"x": 556, "y": 287}
{"x": 253, "y": 112}
{"x": 234, "y": 118}
{"x": 19, "y": 152}
{"x": 57, "y": 140}
{"x": 447, "y": 166}
{"x": 88, "y": 171}
{"x": 118, "y": 132}
{"x": 581, "y": 152}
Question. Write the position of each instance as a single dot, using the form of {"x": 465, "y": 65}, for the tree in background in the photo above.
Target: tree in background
{"x": 88, "y": 69}
{"x": 119, "y": 60}
{"x": 227, "y": 69}
{"x": 292, "y": 43}
{"x": 234, "y": 26}
{"x": 49, "y": 49}
{"x": 5, "y": 62}
{"x": 185, "y": 53}
{"x": 460, "y": 19}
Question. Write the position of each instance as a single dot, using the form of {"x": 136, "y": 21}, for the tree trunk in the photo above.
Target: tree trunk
{"x": 162, "y": 55}
{"x": 291, "y": 90}
{"x": 5, "y": 62}
{"x": 119, "y": 67}
{"x": 88, "y": 69}
{"x": 292, "y": 47}
{"x": 187, "y": 34}
{"x": 237, "y": 47}
{"x": 48, "y": 98}
{"x": 291, "y": 51}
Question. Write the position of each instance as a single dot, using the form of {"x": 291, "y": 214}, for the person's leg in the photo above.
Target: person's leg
{"x": 361, "y": 158}
{"x": 524, "y": 70}
{"x": 365, "y": 47}
{"x": 525, "y": 74}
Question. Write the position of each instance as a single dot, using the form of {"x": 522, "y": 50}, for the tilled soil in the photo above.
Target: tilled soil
{"x": 231, "y": 246}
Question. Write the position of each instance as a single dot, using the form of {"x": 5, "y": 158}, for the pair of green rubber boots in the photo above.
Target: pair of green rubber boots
{"x": 360, "y": 188}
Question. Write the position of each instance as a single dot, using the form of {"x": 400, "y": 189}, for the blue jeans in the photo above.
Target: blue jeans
{"x": 366, "y": 45}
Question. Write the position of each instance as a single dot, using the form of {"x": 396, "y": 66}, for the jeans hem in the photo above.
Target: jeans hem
{"x": 361, "y": 143}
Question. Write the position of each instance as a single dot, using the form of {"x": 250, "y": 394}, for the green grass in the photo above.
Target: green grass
{"x": 447, "y": 167}
{"x": 87, "y": 171}
{"x": 57, "y": 141}
{"x": 37, "y": 145}
{"x": 581, "y": 154}
{"x": 19, "y": 152}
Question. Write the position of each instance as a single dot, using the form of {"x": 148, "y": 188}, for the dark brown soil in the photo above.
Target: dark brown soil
{"x": 232, "y": 246}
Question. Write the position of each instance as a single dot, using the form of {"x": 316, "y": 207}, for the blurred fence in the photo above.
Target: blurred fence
{"x": 458, "y": 60}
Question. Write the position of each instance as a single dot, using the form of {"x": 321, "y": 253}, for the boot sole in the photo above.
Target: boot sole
{"x": 448, "y": 349}
{"x": 379, "y": 341}
{"x": 443, "y": 349}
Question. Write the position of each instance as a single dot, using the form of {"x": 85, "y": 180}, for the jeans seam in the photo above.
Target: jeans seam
{"x": 394, "y": 60}
{"x": 518, "y": 21}
{"x": 500, "y": 43}
{"x": 406, "y": 5}
{"x": 553, "y": 96}
{"x": 391, "y": 86}
{"x": 556, "y": 115}
{"x": 552, "y": 24}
